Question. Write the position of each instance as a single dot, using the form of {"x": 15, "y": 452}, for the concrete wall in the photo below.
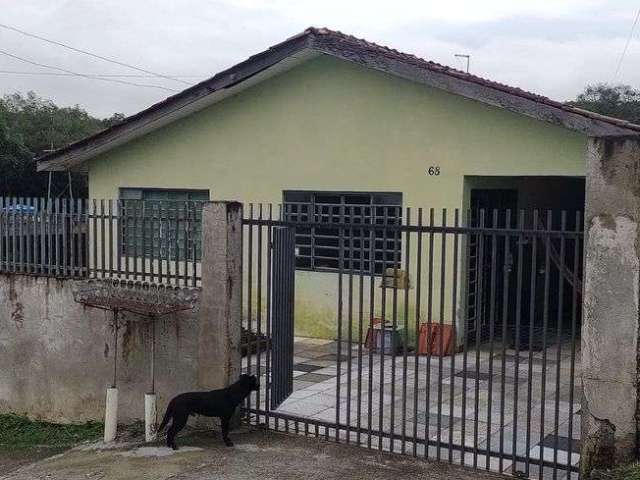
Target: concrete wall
{"x": 56, "y": 356}
{"x": 332, "y": 125}
{"x": 611, "y": 318}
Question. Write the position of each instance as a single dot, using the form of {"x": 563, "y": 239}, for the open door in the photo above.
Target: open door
{"x": 282, "y": 308}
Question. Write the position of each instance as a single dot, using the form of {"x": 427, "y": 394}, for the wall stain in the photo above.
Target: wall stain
{"x": 607, "y": 221}
{"x": 609, "y": 146}
{"x": 17, "y": 315}
{"x": 624, "y": 172}
{"x": 128, "y": 341}
{"x": 133, "y": 337}
{"x": 13, "y": 295}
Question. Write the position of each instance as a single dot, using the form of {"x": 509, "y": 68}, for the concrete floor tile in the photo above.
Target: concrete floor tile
{"x": 320, "y": 398}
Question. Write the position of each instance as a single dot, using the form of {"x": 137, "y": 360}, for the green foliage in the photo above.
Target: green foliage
{"x": 619, "y": 101}
{"x": 29, "y": 127}
{"x": 628, "y": 472}
{"x": 631, "y": 472}
{"x": 19, "y": 432}
{"x": 15, "y": 158}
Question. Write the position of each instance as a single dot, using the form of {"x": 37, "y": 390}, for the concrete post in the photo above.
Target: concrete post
{"x": 150, "y": 417}
{"x": 220, "y": 315}
{"x": 111, "y": 415}
{"x": 610, "y": 329}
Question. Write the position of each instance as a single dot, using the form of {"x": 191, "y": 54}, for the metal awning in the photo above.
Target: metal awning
{"x": 141, "y": 298}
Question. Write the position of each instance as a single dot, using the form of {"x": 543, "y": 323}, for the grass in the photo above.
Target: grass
{"x": 19, "y": 432}
{"x": 135, "y": 429}
{"x": 628, "y": 472}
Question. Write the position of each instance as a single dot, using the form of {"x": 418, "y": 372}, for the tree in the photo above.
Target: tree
{"x": 14, "y": 158}
{"x": 29, "y": 127}
{"x": 619, "y": 101}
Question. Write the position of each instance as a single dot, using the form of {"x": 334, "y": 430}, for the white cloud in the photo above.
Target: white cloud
{"x": 385, "y": 13}
{"x": 553, "y": 47}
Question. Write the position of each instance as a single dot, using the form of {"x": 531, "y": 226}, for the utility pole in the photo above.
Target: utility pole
{"x": 467, "y": 57}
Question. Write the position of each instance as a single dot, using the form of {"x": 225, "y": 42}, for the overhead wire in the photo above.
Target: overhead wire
{"x": 91, "y": 54}
{"x": 105, "y": 75}
{"x": 626, "y": 46}
{"x": 70, "y": 72}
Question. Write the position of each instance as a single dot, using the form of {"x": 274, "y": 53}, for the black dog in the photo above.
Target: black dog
{"x": 216, "y": 403}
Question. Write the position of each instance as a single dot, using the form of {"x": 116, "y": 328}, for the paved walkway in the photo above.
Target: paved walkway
{"x": 430, "y": 401}
{"x": 257, "y": 455}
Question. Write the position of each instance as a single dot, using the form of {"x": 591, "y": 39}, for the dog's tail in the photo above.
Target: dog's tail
{"x": 167, "y": 416}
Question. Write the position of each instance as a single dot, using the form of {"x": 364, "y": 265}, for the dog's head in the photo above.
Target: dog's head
{"x": 250, "y": 381}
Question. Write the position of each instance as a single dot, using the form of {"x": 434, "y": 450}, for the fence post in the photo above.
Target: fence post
{"x": 610, "y": 354}
{"x": 220, "y": 314}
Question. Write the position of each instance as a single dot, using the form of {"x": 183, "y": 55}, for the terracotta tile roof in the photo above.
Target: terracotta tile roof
{"x": 444, "y": 69}
{"x": 336, "y": 43}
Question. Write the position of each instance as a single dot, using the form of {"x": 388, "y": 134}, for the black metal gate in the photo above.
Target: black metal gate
{"x": 455, "y": 338}
{"x": 282, "y": 304}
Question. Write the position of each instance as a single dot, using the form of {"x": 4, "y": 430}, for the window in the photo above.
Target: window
{"x": 161, "y": 223}
{"x": 321, "y": 248}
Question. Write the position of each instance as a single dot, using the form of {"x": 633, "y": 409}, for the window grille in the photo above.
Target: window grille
{"x": 318, "y": 248}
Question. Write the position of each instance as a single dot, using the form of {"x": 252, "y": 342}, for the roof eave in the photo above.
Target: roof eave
{"x": 74, "y": 154}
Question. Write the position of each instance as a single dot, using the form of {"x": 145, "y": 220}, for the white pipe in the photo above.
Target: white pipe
{"x": 150, "y": 428}
{"x": 111, "y": 415}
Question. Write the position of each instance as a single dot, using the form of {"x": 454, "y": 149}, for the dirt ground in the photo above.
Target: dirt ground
{"x": 257, "y": 454}
{"x": 12, "y": 459}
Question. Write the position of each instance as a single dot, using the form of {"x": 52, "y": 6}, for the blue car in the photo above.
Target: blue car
{"x": 19, "y": 208}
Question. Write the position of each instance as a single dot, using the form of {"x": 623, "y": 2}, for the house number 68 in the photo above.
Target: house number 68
{"x": 434, "y": 171}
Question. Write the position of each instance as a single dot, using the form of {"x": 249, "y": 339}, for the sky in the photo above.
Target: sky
{"x": 550, "y": 47}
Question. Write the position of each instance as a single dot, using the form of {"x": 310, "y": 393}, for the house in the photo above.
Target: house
{"x": 326, "y": 118}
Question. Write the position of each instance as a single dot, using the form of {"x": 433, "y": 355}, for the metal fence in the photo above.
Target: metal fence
{"x": 464, "y": 348}
{"x": 44, "y": 236}
{"x": 148, "y": 241}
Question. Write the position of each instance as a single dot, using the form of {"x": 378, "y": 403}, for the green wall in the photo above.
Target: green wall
{"x": 328, "y": 124}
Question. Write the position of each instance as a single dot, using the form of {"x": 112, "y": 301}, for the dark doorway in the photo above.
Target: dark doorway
{"x": 521, "y": 283}
{"x": 491, "y": 259}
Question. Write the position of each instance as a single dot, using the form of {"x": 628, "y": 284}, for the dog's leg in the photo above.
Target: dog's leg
{"x": 225, "y": 431}
{"x": 167, "y": 416}
{"x": 179, "y": 421}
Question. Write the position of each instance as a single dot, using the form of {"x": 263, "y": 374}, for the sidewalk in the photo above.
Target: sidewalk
{"x": 256, "y": 455}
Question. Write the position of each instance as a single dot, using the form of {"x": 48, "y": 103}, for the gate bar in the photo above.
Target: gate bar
{"x": 520, "y": 257}
{"x": 491, "y": 306}
{"x": 461, "y": 448}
